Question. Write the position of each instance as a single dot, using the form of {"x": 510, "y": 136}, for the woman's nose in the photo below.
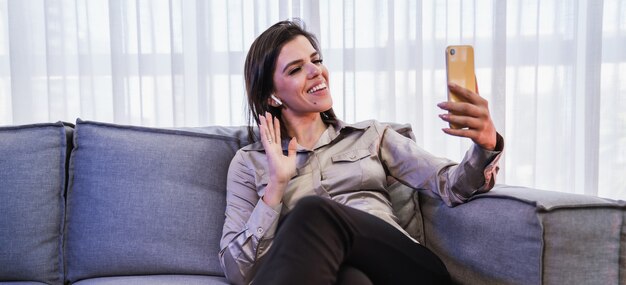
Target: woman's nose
{"x": 313, "y": 70}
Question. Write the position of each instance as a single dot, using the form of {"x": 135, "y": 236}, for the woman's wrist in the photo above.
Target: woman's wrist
{"x": 274, "y": 193}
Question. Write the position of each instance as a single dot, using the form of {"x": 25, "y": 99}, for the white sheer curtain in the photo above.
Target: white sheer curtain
{"x": 554, "y": 72}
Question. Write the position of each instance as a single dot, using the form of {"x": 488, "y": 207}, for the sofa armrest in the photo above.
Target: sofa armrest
{"x": 517, "y": 235}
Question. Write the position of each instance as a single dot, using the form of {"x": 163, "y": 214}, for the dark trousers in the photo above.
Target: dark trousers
{"x": 323, "y": 242}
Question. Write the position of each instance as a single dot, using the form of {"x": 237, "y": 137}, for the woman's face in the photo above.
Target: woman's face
{"x": 301, "y": 80}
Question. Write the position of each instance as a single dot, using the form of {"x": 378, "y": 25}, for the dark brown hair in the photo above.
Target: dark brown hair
{"x": 259, "y": 71}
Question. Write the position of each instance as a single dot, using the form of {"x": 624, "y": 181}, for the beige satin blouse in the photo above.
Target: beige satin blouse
{"x": 349, "y": 164}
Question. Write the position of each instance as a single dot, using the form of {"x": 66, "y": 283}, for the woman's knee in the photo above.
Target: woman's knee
{"x": 312, "y": 204}
{"x": 313, "y": 211}
{"x": 350, "y": 275}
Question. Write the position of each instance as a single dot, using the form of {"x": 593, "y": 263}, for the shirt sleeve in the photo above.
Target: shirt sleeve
{"x": 249, "y": 224}
{"x": 454, "y": 183}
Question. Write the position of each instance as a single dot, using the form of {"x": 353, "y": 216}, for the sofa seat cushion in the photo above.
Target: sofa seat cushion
{"x": 145, "y": 201}
{"x": 32, "y": 185}
{"x": 518, "y": 235}
{"x": 156, "y": 280}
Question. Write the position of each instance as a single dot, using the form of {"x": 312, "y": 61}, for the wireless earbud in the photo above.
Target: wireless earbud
{"x": 276, "y": 100}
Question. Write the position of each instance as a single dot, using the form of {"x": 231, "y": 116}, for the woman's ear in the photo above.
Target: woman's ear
{"x": 274, "y": 101}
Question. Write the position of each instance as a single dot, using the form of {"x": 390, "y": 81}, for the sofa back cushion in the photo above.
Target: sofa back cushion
{"x": 32, "y": 184}
{"x": 146, "y": 201}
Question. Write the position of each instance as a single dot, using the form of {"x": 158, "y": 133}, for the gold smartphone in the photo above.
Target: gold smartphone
{"x": 460, "y": 70}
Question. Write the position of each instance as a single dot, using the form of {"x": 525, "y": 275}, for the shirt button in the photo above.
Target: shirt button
{"x": 352, "y": 156}
{"x": 259, "y": 230}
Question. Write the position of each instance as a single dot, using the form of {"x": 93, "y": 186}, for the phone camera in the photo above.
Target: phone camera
{"x": 452, "y": 52}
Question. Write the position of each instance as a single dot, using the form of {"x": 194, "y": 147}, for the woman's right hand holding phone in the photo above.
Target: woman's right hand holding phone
{"x": 471, "y": 114}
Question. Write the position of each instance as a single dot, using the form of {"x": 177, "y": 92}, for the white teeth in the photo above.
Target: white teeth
{"x": 318, "y": 87}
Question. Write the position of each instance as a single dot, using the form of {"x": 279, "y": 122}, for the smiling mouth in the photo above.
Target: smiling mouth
{"x": 318, "y": 87}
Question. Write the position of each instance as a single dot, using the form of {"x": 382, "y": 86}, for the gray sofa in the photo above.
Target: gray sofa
{"x": 97, "y": 203}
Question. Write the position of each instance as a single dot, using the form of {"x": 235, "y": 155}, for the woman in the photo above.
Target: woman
{"x": 307, "y": 204}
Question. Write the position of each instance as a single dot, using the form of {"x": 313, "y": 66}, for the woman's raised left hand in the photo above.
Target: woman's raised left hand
{"x": 281, "y": 167}
{"x": 472, "y": 115}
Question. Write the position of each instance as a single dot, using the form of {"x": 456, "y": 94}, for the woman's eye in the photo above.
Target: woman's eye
{"x": 318, "y": 61}
{"x": 294, "y": 71}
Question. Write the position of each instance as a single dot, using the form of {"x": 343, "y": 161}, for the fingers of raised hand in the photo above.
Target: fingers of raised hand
{"x": 477, "y": 136}
{"x": 467, "y": 133}
{"x": 466, "y": 115}
{"x": 466, "y": 94}
{"x": 464, "y": 109}
{"x": 463, "y": 121}
{"x": 269, "y": 125}
{"x": 269, "y": 128}
{"x": 277, "y": 130}
{"x": 263, "y": 131}
{"x": 485, "y": 137}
